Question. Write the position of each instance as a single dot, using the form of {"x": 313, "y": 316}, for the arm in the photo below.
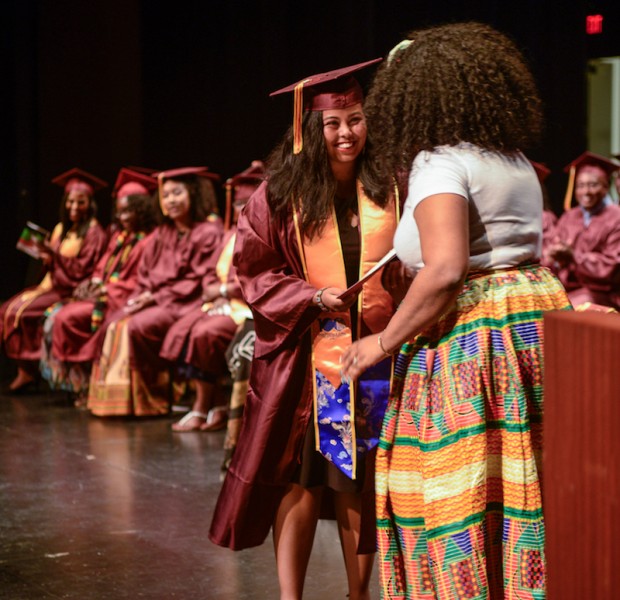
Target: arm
{"x": 271, "y": 277}
{"x": 188, "y": 285}
{"x": 443, "y": 222}
{"x": 596, "y": 256}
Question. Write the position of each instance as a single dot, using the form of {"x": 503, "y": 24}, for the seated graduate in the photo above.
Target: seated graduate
{"x": 585, "y": 251}
{"x": 69, "y": 256}
{"x": 73, "y": 331}
{"x": 130, "y": 378}
{"x": 198, "y": 341}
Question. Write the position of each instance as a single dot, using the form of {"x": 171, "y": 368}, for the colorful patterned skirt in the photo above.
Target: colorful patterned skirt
{"x": 459, "y": 510}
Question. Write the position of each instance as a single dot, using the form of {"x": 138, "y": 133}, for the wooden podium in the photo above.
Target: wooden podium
{"x": 581, "y": 457}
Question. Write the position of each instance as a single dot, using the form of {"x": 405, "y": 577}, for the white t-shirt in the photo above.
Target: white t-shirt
{"x": 505, "y": 205}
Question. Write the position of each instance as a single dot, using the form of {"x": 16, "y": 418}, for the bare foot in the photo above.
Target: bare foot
{"x": 22, "y": 380}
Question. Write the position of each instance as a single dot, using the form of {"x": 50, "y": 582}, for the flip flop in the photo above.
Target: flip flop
{"x": 216, "y": 419}
{"x": 181, "y": 425}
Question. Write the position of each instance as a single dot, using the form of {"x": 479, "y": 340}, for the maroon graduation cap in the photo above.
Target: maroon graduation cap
{"x": 78, "y": 179}
{"x": 131, "y": 182}
{"x": 333, "y": 89}
{"x": 583, "y": 160}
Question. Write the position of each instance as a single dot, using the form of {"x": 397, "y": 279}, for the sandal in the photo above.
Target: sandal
{"x": 216, "y": 419}
{"x": 183, "y": 426}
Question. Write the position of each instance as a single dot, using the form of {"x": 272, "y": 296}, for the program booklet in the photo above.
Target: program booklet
{"x": 357, "y": 286}
{"x": 31, "y": 236}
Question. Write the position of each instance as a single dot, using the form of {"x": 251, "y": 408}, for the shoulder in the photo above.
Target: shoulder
{"x": 573, "y": 214}
{"x": 207, "y": 229}
{"x": 257, "y": 209}
{"x": 612, "y": 213}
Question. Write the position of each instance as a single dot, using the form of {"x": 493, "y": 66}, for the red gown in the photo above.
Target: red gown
{"x": 172, "y": 269}
{"x": 72, "y": 337}
{"x": 199, "y": 338}
{"x": 279, "y": 401}
{"x": 594, "y": 273}
{"x": 21, "y": 316}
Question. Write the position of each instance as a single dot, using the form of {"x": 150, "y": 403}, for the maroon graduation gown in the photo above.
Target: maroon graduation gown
{"x": 23, "y": 342}
{"x": 72, "y": 338}
{"x": 172, "y": 269}
{"x": 279, "y": 401}
{"x": 205, "y": 337}
{"x": 594, "y": 273}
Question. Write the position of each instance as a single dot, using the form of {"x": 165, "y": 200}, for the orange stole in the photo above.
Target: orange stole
{"x": 323, "y": 264}
{"x": 239, "y": 310}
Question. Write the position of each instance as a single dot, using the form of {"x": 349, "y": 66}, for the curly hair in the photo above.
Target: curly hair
{"x": 462, "y": 82}
{"x": 307, "y": 177}
{"x": 144, "y": 208}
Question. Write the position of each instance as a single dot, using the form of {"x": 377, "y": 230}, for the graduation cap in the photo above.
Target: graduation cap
{"x": 333, "y": 89}
{"x": 131, "y": 182}
{"x": 186, "y": 172}
{"x": 241, "y": 186}
{"x": 181, "y": 173}
{"x": 78, "y": 179}
{"x": 542, "y": 170}
{"x": 586, "y": 159}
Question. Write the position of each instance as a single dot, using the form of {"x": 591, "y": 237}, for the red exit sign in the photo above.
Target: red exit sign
{"x": 594, "y": 24}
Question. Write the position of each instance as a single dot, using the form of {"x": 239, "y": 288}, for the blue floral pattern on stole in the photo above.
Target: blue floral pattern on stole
{"x": 334, "y": 414}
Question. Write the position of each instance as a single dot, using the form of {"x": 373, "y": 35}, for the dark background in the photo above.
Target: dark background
{"x": 102, "y": 85}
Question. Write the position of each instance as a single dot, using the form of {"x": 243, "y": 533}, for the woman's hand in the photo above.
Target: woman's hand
{"x": 330, "y": 299}
{"x": 361, "y": 355}
{"x": 136, "y": 304}
{"x": 211, "y": 292}
{"x": 396, "y": 280}
{"x": 88, "y": 289}
{"x": 46, "y": 252}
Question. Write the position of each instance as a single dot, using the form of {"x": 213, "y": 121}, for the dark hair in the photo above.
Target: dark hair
{"x": 203, "y": 201}
{"x": 144, "y": 208}
{"x": 463, "y": 82}
{"x": 82, "y": 226}
{"x": 306, "y": 177}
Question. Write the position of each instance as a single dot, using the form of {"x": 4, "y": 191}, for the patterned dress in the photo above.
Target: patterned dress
{"x": 458, "y": 484}
{"x": 459, "y": 507}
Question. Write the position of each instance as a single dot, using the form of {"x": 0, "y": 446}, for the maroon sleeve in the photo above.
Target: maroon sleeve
{"x": 67, "y": 272}
{"x": 598, "y": 265}
{"x": 271, "y": 277}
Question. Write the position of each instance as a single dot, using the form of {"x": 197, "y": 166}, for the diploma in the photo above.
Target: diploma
{"x": 357, "y": 286}
{"x": 31, "y": 236}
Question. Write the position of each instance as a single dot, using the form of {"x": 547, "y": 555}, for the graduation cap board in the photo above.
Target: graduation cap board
{"x": 78, "y": 179}
{"x": 324, "y": 91}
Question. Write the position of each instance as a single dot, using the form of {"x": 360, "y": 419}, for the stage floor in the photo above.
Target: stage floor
{"x": 101, "y": 509}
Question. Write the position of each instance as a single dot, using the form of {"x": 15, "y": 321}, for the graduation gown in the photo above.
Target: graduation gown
{"x": 72, "y": 337}
{"x": 172, "y": 269}
{"x": 199, "y": 338}
{"x": 280, "y": 396}
{"x": 21, "y": 317}
{"x": 594, "y": 273}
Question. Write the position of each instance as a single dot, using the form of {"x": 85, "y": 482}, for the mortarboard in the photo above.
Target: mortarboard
{"x": 243, "y": 185}
{"x": 333, "y": 89}
{"x": 542, "y": 170}
{"x": 132, "y": 182}
{"x": 81, "y": 180}
{"x": 586, "y": 159}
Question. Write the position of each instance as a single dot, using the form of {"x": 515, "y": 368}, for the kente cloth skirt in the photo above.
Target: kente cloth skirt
{"x": 458, "y": 483}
